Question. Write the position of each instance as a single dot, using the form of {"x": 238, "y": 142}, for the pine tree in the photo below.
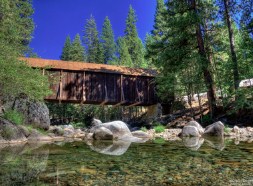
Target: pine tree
{"x": 159, "y": 30}
{"x": 66, "y": 50}
{"x": 76, "y": 50}
{"x": 91, "y": 40}
{"x": 133, "y": 42}
{"x": 16, "y": 27}
{"x": 108, "y": 42}
{"x": 124, "y": 56}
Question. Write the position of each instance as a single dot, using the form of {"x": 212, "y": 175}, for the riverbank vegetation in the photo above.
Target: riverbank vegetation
{"x": 196, "y": 46}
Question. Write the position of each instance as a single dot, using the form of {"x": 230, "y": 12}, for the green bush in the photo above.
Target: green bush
{"x": 159, "y": 128}
{"x": 7, "y": 132}
{"x": 144, "y": 129}
{"x": 14, "y": 116}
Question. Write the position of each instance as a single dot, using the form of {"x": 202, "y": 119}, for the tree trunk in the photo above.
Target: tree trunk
{"x": 232, "y": 45}
{"x": 205, "y": 66}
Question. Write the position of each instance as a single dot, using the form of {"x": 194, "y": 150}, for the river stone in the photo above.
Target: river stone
{"x": 140, "y": 134}
{"x": 35, "y": 113}
{"x": 215, "y": 129}
{"x": 102, "y": 133}
{"x": 118, "y": 128}
{"x": 197, "y": 125}
{"x": 10, "y": 133}
{"x": 190, "y": 131}
{"x": 96, "y": 122}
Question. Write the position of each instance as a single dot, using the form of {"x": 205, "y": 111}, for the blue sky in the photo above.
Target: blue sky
{"x": 55, "y": 19}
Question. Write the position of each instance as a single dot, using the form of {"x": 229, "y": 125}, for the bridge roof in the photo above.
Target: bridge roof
{"x": 83, "y": 66}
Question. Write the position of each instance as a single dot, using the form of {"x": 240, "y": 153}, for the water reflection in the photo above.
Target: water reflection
{"x": 22, "y": 163}
{"x": 114, "y": 148}
{"x": 124, "y": 163}
{"x": 193, "y": 143}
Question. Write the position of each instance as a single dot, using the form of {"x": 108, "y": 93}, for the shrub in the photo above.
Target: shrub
{"x": 14, "y": 116}
{"x": 144, "y": 129}
{"x": 159, "y": 128}
{"x": 7, "y": 132}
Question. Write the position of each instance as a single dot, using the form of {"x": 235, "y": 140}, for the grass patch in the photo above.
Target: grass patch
{"x": 30, "y": 128}
{"x": 144, "y": 129}
{"x": 14, "y": 116}
{"x": 159, "y": 141}
{"x": 7, "y": 132}
{"x": 159, "y": 128}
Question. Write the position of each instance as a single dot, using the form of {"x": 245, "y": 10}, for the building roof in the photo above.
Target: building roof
{"x": 83, "y": 66}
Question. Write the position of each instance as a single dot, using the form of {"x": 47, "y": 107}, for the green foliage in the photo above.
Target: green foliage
{"x": 108, "y": 43}
{"x": 124, "y": 56}
{"x": 16, "y": 27}
{"x": 66, "y": 50}
{"x": 14, "y": 116}
{"x": 159, "y": 140}
{"x": 91, "y": 40}
{"x": 7, "y": 132}
{"x": 159, "y": 128}
{"x": 227, "y": 129}
{"x": 133, "y": 42}
{"x": 144, "y": 129}
{"x": 206, "y": 119}
{"x": 76, "y": 52}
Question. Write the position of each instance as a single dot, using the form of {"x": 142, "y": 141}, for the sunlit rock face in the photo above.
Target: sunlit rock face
{"x": 35, "y": 113}
{"x": 192, "y": 129}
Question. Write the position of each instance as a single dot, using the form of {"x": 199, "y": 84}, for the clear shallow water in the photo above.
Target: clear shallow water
{"x": 160, "y": 163}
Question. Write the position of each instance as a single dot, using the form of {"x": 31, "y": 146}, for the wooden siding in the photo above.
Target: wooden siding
{"x": 100, "y": 88}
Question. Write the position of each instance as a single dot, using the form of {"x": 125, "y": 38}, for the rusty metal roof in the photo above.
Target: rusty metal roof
{"x": 83, "y": 66}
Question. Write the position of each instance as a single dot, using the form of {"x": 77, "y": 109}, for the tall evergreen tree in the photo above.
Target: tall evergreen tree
{"x": 66, "y": 50}
{"x": 124, "y": 56}
{"x": 91, "y": 40}
{"x": 159, "y": 30}
{"x": 108, "y": 42}
{"x": 133, "y": 42}
{"x": 76, "y": 51}
{"x": 16, "y": 27}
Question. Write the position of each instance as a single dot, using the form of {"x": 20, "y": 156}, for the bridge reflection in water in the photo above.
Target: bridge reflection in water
{"x": 90, "y": 83}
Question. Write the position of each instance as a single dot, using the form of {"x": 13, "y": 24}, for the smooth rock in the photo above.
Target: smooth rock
{"x": 140, "y": 134}
{"x": 197, "y": 125}
{"x": 215, "y": 129}
{"x": 102, "y": 133}
{"x": 190, "y": 131}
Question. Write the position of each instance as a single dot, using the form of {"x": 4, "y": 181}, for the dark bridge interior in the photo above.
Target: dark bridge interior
{"x": 89, "y": 83}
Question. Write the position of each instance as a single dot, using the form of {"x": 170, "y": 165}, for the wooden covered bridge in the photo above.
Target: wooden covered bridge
{"x": 90, "y": 83}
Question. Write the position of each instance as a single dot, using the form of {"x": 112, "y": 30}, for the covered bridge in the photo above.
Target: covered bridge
{"x": 90, "y": 83}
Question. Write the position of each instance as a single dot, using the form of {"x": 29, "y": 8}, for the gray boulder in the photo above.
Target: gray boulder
{"x": 197, "y": 125}
{"x": 215, "y": 129}
{"x": 118, "y": 129}
{"x": 35, "y": 113}
{"x": 10, "y": 132}
{"x": 190, "y": 131}
{"x": 102, "y": 133}
{"x": 96, "y": 122}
